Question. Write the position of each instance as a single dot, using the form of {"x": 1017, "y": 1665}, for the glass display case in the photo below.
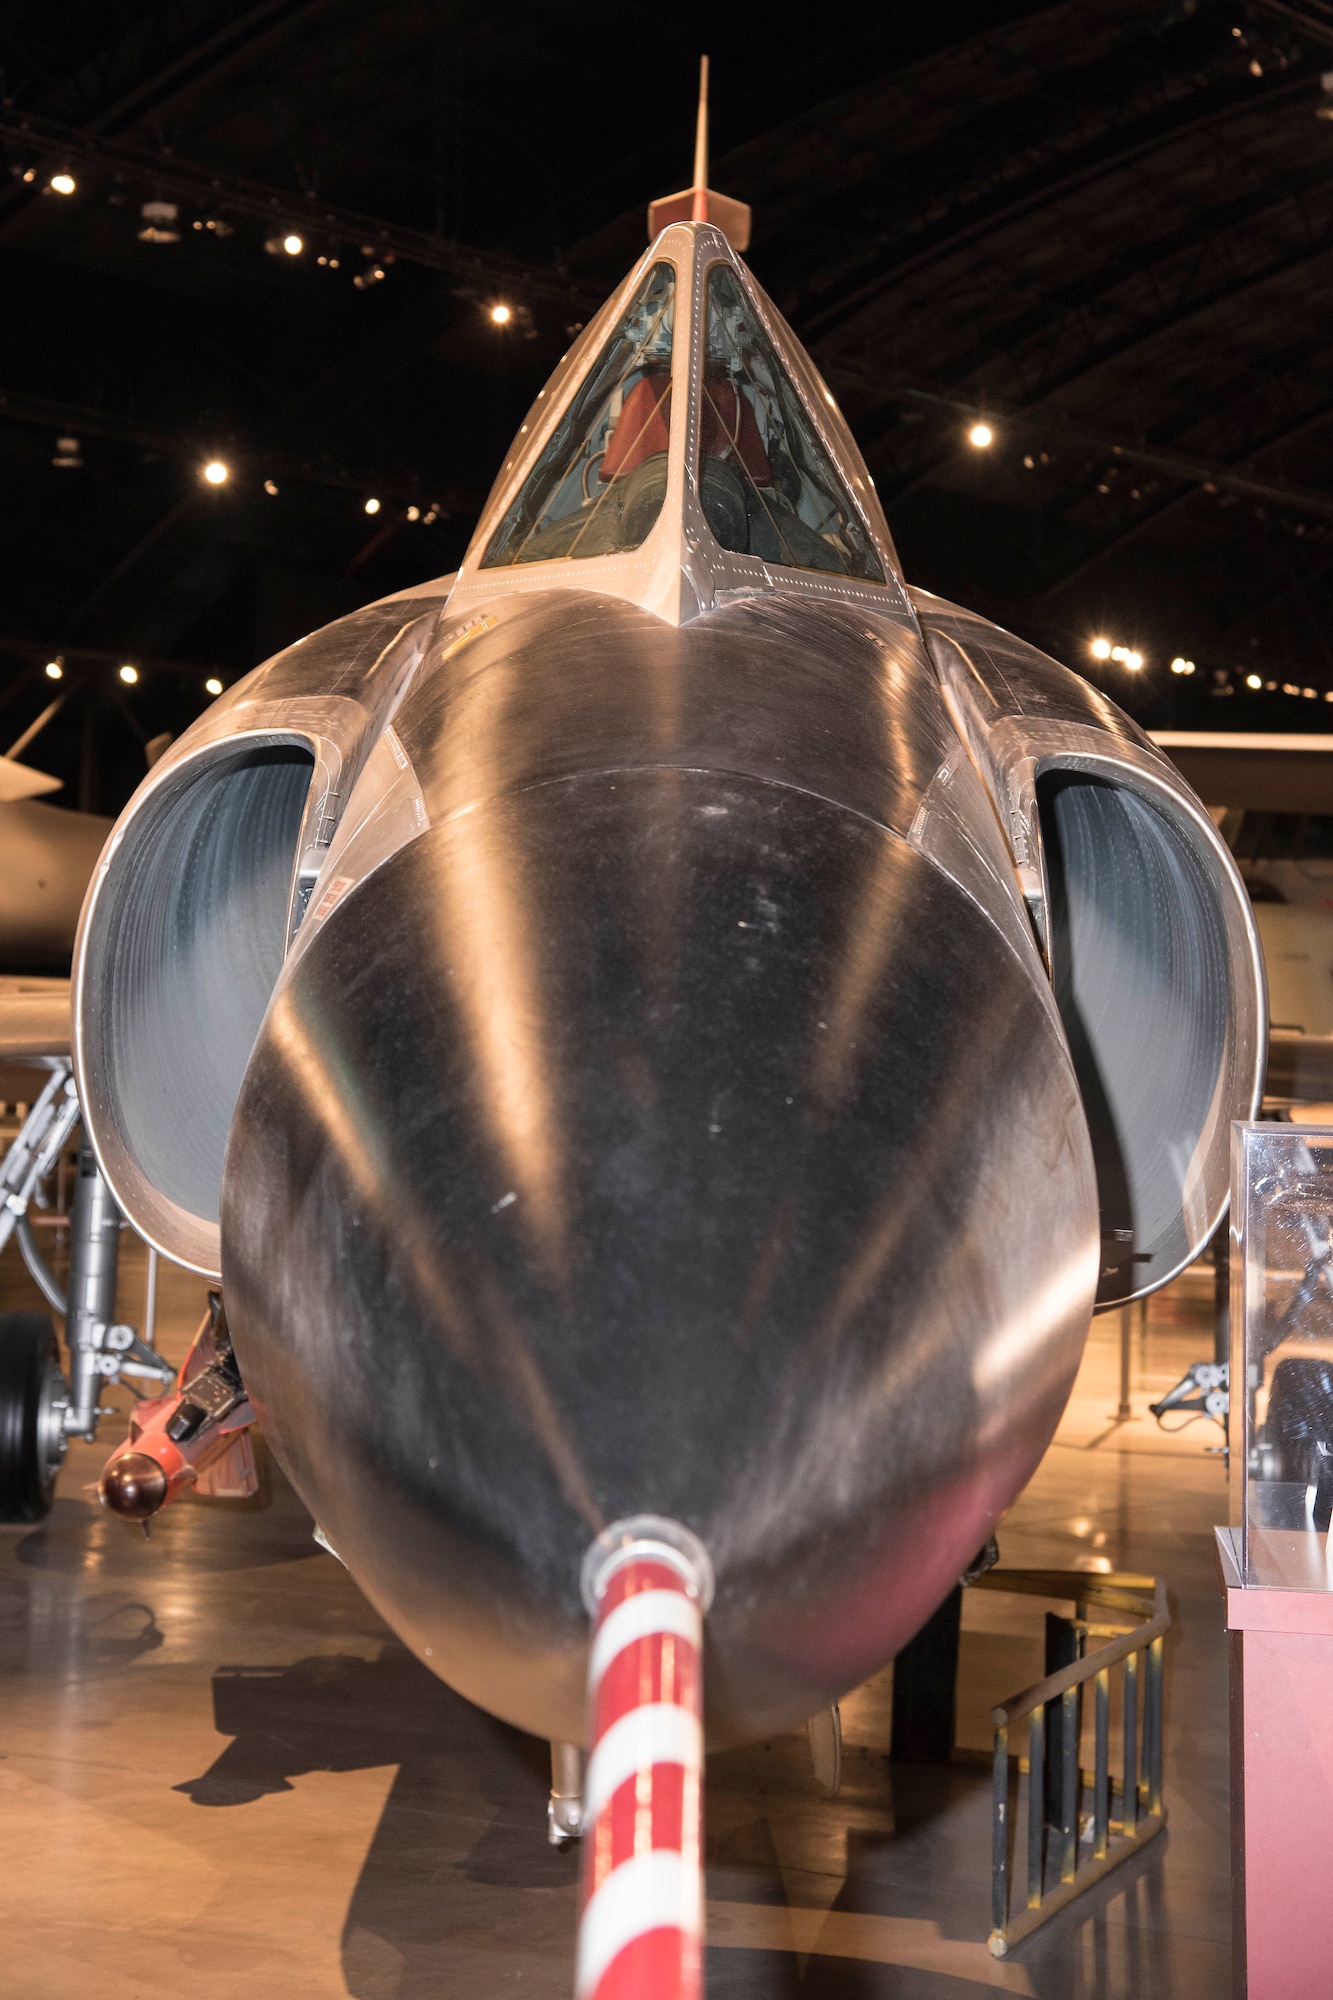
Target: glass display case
{"x": 1281, "y": 1421}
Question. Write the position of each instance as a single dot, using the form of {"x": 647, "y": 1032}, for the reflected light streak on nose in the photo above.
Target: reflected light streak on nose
{"x": 1018, "y": 1341}
{"x": 487, "y": 948}
{"x": 350, "y": 1128}
{"x": 952, "y": 1132}
{"x": 872, "y": 933}
{"x": 390, "y": 1197}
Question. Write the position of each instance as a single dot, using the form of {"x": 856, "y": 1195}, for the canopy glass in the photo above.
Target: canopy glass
{"x": 766, "y": 483}
{"x": 598, "y": 486}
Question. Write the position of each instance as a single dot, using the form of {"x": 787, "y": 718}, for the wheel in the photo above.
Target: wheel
{"x": 32, "y": 1442}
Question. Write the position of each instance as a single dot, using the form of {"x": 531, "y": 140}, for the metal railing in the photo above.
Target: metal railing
{"x": 1076, "y": 1844}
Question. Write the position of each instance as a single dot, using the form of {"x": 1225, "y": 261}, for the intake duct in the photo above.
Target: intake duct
{"x": 1146, "y": 928}
{"x": 1141, "y": 968}
{"x": 182, "y": 941}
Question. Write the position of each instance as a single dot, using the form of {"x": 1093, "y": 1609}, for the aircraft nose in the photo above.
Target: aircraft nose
{"x": 658, "y": 1141}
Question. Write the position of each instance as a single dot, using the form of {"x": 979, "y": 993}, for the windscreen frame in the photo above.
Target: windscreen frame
{"x": 563, "y": 390}
{"x": 783, "y": 359}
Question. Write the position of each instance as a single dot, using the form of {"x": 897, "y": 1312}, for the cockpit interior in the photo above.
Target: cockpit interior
{"x": 766, "y": 483}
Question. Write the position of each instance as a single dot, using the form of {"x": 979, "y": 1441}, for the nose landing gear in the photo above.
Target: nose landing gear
{"x": 40, "y": 1410}
{"x": 33, "y": 1397}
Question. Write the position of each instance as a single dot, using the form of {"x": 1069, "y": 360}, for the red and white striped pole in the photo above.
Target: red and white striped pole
{"x": 647, "y": 1583}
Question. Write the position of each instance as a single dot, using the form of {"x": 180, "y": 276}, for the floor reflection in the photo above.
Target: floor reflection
{"x": 326, "y": 1818}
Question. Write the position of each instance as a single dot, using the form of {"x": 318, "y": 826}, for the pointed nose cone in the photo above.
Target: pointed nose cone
{"x": 659, "y": 1141}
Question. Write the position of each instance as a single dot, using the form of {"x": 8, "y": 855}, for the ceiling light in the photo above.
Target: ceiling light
{"x": 372, "y": 505}
{"x": 216, "y": 473}
{"x": 1287, "y": 688}
{"x": 270, "y": 486}
{"x": 129, "y": 674}
{"x": 55, "y": 670}
{"x": 159, "y": 222}
{"x": 213, "y": 685}
{"x": 1100, "y": 649}
{"x": 1309, "y": 694}
{"x": 501, "y": 315}
{"x": 1127, "y": 657}
{"x": 293, "y": 245}
{"x": 414, "y": 513}
{"x": 1179, "y": 666}
{"x": 1253, "y": 681}
{"x": 67, "y": 453}
{"x": 63, "y": 183}
{"x": 981, "y": 435}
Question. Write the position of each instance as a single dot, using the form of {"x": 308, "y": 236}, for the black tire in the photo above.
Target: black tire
{"x": 30, "y": 1382}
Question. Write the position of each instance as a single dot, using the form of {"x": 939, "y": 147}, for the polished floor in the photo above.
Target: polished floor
{"x": 220, "y": 1773}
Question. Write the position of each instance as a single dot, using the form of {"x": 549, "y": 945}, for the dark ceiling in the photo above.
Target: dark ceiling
{"x": 1105, "y": 227}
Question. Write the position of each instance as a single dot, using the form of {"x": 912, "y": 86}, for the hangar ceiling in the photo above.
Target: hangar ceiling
{"x": 1101, "y": 227}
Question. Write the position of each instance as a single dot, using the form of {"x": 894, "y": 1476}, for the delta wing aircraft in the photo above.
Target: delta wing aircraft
{"x": 661, "y": 1040}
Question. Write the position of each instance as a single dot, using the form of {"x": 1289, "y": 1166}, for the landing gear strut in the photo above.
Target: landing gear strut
{"x": 39, "y": 1409}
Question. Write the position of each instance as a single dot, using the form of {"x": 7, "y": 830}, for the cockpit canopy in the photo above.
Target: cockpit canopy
{"x": 689, "y": 433}
{"x": 766, "y": 483}
{"x": 599, "y": 484}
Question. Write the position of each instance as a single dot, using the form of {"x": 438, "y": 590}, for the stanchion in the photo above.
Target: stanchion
{"x": 1125, "y": 1410}
{"x": 647, "y": 1583}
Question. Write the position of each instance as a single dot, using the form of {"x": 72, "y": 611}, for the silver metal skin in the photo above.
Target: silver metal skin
{"x": 665, "y": 1033}
{"x": 228, "y": 833}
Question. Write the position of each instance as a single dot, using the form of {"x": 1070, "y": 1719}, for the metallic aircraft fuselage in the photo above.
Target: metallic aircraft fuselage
{"x": 664, "y": 1130}
{"x": 682, "y": 1032}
